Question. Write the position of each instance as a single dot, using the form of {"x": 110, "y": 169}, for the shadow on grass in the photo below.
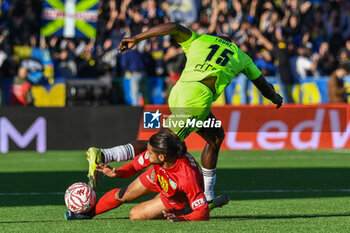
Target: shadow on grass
{"x": 239, "y": 184}
{"x": 264, "y": 217}
{"x": 244, "y": 217}
{"x": 63, "y": 220}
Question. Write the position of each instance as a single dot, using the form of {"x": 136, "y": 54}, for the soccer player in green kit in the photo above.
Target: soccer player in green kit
{"x": 212, "y": 63}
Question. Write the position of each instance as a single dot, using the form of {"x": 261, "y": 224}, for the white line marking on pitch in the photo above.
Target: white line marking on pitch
{"x": 31, "y": 194}
{"x": 222, "y": 191}
{"x": 286, "y": 191}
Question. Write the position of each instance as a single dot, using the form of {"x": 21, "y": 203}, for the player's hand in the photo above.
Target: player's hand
{"x": 278, "y": 100}
{"x": 107, "y": 170}
{"x": 170, "y": 216}
{"x": 126, "y": 44}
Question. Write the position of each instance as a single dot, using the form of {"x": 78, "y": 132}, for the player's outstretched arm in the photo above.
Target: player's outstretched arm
{"x": 107, "y": 170}
{"x": 177, "y": 31}
{"x": 268, "y": 91}
{"x": 127, "y": 170}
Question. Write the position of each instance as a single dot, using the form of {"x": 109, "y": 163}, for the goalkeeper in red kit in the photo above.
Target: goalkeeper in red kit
{"x": 175, "y": 176}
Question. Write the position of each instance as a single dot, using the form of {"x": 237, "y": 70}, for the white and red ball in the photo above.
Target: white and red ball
{"x": 80, "y": 198}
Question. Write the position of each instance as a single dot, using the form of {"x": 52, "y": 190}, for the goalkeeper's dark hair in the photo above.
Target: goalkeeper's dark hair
{"x": 165, "y": 143}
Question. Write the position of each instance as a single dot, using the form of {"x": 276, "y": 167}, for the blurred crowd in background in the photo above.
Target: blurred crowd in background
{"x": 292, "y": 39}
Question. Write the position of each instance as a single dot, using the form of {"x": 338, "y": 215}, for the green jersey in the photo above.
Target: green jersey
{"x": 212, "y": 56}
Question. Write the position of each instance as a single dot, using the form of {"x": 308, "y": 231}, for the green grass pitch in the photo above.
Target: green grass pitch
{"x": 270, "y": 191}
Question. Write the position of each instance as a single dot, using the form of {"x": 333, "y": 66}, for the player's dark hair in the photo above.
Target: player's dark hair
{"x": 165, "y": 143}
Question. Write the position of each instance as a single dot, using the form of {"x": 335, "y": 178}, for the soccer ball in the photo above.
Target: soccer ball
{"x": 80, "y": 198}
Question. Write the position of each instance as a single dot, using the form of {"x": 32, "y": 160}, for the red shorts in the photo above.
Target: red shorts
{"x": 149, "y": 180}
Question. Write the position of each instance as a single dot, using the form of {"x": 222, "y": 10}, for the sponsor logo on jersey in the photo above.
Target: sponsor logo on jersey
{"x": 153, "y": 175}
{"x": 198, "y": 203}
{"x": 163, "y": 183}
{"x": 141, "y": 161}
{"x": 172, "y": 184}
{"x": 151, "y": 180}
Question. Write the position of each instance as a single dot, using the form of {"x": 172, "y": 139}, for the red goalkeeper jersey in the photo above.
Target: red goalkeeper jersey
{"x": 181, "y": 185}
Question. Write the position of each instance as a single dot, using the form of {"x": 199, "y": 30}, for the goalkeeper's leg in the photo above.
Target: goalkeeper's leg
{"x": 113, "y": 199}
{"x": 105, "y": 203}
{"x": 151, "y": 209}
